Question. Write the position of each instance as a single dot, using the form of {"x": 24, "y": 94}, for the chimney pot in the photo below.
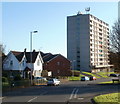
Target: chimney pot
{"x": 34, "y": 50}
{"x": 25, "y": 50}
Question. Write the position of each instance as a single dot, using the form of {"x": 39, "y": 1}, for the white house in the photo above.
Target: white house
{"x": 37, "y": 63}
{"x": 15, "y": 61}
{"x": 21, "y": 61}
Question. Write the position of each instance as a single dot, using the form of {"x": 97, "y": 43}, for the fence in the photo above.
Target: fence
{"x": 39, "y": 82}
{"x": 6, "y": 86}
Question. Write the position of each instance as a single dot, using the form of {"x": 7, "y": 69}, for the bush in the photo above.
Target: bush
{"x": 17, "y": 78}
{"x": 4, "y": 79}
{"x": 5, "y": 74}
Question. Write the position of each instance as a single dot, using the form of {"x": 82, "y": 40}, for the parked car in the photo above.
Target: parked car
{"x": 53, "y": 81}
{"x": 40, "y": 78}
{"x": 114, "y": 75}
{"x": 92, "y": 78}
{"x": 85, "y": 78}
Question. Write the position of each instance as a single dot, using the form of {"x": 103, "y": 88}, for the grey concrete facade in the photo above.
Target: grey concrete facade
{"x": 83, "y": 43}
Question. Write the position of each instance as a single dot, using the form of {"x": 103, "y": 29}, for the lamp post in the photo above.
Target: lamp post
{"x": 31, "y": 52}
{"x": 73, "y": 66}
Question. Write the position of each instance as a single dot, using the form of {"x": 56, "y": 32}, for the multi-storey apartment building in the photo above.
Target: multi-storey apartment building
{"x": 87, "y": 42}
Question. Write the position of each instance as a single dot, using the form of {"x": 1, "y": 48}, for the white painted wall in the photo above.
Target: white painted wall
{"x": 9, "y": 58}
{"x": 16, "y": 64}
{"x": 38, "y": 66}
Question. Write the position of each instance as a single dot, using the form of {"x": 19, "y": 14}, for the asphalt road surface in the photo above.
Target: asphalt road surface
{"x": 66, "y": 93}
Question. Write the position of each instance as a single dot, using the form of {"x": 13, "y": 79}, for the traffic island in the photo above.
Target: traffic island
{"x": 112, "y": 98}
{"x": 109, "y": 83}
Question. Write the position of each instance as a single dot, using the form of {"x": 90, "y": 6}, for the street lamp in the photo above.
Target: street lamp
{"x": 31, "y": 51}
{"x": 73, "y": 67}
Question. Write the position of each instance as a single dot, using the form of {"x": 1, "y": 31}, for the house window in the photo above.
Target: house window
{"x": 100, "y": 55}
{"x": 58, "y": 63}
{"x": 11, "y": 63}
{"x": 100, "y": 38}
{"x": 23, "y": 63}
{"x": 58, "y": 71}
{"x": 95, "y": 18}
{"x": 91, "y": 21}
{"x": 100, "y": 25}
{"x": 100, "y": 50}
{"x": 101, "y": 63}
{"x": 101, "y": 59}
{"x": 100, "y": 42}
{"x": 100, "y": 34}
{"x": 100, "y": 29}
{"x": 38, "y": 62}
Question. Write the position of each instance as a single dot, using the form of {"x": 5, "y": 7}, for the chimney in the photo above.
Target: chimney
{"x": 25, "y": 50}
{"x": 34, "y": 50}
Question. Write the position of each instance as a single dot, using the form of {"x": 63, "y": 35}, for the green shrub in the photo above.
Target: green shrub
{"x": 5, "y": 74}
{"x": 4, "y": 79}
{"x": 17, "y": 78}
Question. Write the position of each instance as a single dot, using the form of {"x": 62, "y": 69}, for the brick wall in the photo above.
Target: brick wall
{"x": 59, "y": 65}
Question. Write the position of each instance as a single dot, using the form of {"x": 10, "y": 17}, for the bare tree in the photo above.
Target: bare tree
{"x": 115, "y": 45}
{"x": 2, "y": 48}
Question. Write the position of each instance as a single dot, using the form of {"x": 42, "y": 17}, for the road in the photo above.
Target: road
{"x": 66, "y": 93}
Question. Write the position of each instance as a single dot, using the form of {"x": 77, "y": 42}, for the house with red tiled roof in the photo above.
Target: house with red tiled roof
{"x": 57, "y": 64}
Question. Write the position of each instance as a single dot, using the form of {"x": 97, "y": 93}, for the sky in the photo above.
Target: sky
{"x": 50, "y": 20}
{"x": 119, "y": 9}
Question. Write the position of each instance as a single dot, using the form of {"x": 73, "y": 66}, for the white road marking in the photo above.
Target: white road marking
{"x": 80, "y": 98}
{"x": 75, "y": 95}
{"x": 1, "y": 97}
{"x": 32, "y": 99}
{"x": 72, "y": 93}
{"x": 37, "y": 97}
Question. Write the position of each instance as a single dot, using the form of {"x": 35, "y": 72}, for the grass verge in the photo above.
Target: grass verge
{"x": 109, "y": 82}
{"x": 105, "y": 74}
{"x": 73, "y": 78}
{"x": 112, "y": 98}
{"x": 91, "y": 74}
